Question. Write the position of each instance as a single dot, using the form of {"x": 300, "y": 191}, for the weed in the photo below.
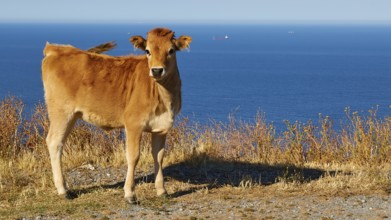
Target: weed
{"x": 361, "y": 149}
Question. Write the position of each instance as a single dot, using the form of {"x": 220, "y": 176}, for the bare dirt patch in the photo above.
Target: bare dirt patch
{"x": 221, "y": 190}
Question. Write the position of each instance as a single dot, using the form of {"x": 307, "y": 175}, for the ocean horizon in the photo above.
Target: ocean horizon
{"x": 288, "y": 72}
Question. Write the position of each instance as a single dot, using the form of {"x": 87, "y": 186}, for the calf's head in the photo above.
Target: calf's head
{"x": 160, "y": 47}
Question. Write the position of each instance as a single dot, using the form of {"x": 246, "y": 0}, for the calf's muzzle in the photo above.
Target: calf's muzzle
{"x": 157, "y": 72}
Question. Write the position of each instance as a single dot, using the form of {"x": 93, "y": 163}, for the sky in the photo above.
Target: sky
{"x": 195, "y": 11}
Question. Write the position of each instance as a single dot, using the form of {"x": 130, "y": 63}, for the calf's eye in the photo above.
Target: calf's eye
{"x": 148, "y": 53}
{"x": 171, "y": 51}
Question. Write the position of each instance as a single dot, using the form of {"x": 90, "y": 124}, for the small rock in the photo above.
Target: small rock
{"x": 87, "y": 166}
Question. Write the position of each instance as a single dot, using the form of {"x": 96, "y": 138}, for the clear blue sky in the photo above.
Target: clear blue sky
{"x": 196, "y": 11}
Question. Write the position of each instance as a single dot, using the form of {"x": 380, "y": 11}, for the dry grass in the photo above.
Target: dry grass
{"x": 305, "y": 156}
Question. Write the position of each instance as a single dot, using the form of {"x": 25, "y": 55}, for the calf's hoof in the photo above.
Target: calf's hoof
{"x": 161, "y": 192}
{"x": 164, "y": 195}
{"x": 68, "y": 195}
{"x": 131, "y": 200}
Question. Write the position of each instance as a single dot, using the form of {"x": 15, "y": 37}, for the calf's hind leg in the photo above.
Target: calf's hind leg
{"x": 60, "y": 127}
{"x": 133, "y": 137}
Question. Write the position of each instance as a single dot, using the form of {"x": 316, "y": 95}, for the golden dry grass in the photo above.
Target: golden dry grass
{"x": 305, "y": 157}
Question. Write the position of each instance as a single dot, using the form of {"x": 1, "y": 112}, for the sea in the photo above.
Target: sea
{"x": 285, "y": 72}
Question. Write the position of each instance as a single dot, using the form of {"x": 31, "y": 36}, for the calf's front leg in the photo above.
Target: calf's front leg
{"x": 158, "y": 141}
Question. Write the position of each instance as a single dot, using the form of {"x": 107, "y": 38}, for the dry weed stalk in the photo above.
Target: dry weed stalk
{"x": 10, "y": 121}
{"x": 361, "y": 141}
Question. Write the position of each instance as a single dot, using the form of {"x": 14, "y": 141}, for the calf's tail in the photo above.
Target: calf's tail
{"x": 101, "y": 48}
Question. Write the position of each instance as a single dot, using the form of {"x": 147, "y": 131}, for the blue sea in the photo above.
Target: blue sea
{"x": 288, "y": 72}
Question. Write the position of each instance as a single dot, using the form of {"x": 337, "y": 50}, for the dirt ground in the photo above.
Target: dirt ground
{"x": 219, "y": 204}
{"x": 222, "y": 191}
{"x": 212, "y": 190}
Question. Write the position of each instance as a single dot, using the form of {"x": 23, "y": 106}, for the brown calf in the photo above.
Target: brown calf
{"x": 138, "y": 93}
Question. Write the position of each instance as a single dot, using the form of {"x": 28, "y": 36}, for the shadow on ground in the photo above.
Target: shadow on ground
{"x": 217, "y": 173}
{"x": 214, "y": 173}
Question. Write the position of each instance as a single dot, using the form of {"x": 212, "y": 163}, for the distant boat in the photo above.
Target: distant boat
{"x": 226, "y": 37}
{"x": 291, "y": 32}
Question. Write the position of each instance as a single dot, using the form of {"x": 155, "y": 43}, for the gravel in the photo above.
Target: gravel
{"x": 233, "y": 202}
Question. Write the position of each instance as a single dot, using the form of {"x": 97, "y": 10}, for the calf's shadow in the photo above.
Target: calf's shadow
{"x": 215, "y": 173}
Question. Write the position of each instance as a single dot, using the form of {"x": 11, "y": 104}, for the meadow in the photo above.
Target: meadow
{"x": 305, "y": 157}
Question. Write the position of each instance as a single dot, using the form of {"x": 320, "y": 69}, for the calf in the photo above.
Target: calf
{"x": 137, "y": 93}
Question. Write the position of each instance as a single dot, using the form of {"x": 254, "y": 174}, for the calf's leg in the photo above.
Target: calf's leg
{"x": 158, "y": 141}
{"x": 133, "y": 137}
{"x": 60, "y": 127}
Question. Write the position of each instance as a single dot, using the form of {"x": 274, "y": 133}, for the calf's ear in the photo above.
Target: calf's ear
{"x": 183, "y": 42}
{"x": 138, "y": 42}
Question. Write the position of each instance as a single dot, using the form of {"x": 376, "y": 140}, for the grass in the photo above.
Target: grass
{"x": 305, "y": 157}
